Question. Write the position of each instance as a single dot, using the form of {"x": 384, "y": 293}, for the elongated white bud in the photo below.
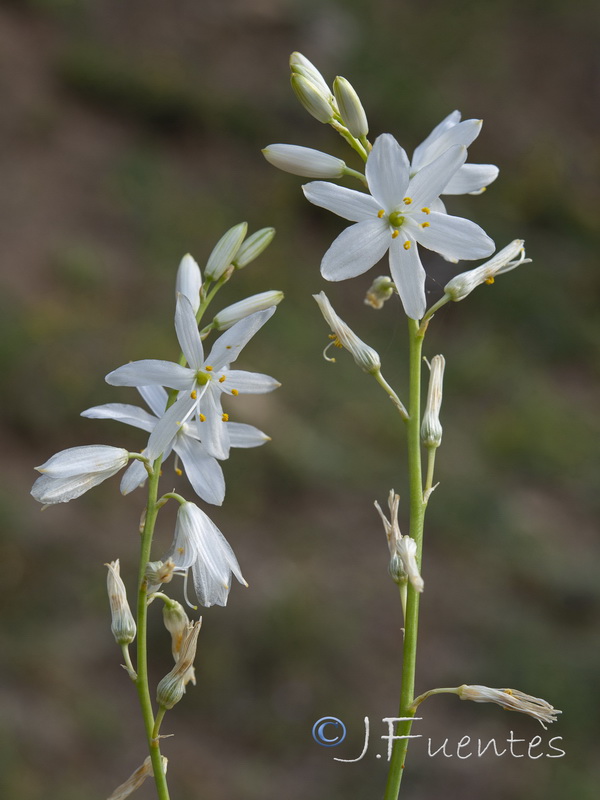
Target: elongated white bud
{"x": 431, "y": 428}
{"x": 312, "y": 98}
{"x": 171, "y": 688}
{"x": 380, "y": 290}
{"x": 253, "y": 246}
{"x": 123, "y": 624}
{"x": 225, "y": 251}
{"x": 300, "y": 65}
{"x": 510, "y": 257}
{"x": 512, "y": 700}
{"x": 351, "y": 109}
{"x": 234, "y": 313}
{"x": 304, "y": 161}
{"x": 189, "y": 281}
{"x": 343, "y": 336}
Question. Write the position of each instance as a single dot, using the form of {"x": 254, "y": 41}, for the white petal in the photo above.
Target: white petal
{"x": 346, "y": 203}
{"x": 96, "y": 458}
{"x": 166, "y": 428}
{"x": 409, "y": 276}
{"x": 187, "y": 540}
{"x": 156, "y": 397}
{"x": 453, "y": 237}
{"x": 215, "y": 564}
{"x": 356, "y": 250}
{"x": 189, "y": 281}
{"x": 249, "y": 382}
{"x": 471, "y": 179}
{"x": 121, "y": 412}
{"x": 438, "y": 206}
{"x": 203, "y": 471}
{"x": 49, "y": 489}
{"x": 387, "y": 172}
{"x": 304, "y": 161}
{"x": 135, "y": 475}
{"x": 229, "y": 345}
{"x": 213, "y": 431}
{"x": 187, "y": 333}
{"x": 242, "y": 435}
{"x": 430, "y": 181}
{"x": 421, "y": 154}
{"x": 462, "y": 134}
{"x": 151, "y": 371}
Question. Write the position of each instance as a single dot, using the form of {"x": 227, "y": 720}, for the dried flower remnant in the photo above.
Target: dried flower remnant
{"x": 512, "y": 700}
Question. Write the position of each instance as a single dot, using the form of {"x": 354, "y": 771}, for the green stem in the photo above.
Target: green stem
{"x": 158, "y": 721}
{"x": 417, "y": 513}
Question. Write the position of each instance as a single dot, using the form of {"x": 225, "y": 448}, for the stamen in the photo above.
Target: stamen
{"x": 194, "y": 395}
{"x": 325, "y": 356}
{"x": 395, "y": 234}
{"x": 227, "y": 347}
{"x": 381, "y": 213}
{"x": 490, "y": 280}
{"x": 408, "y": 200}
{"x": 425, "y": 225}
{"x": 426, "y": 210}
{"x": 234, "y": 392}
{"x": 185, "y": 592}
{"x": 181, "y": 550}
{"x": 406, "y": 244}
{"x": 222, "y": 378}
{"x": 207, "y": 368}
{"x": 178, "y": 471}
{"x": 201, "y": 417}
{"x": 225, "y": 417}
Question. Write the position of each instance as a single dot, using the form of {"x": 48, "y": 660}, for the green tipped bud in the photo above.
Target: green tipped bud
{"x": 225, "y": 251}
{"x": 351, "y": 109}
{"x": 304, "y": 161}
{"x": 314, "y": 100}
{"x": 123, "y": 624}
{"x": 431, "y": 429}
{"x": 171, "y": 688}
{"x": 234, "y": 313}
{"x": 380, "y": 290}
{"x": 253, "y": 247}
{"x": 300, "y": 65}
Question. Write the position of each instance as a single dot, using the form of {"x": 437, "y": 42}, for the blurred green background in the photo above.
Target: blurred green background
{"x": 131, "y": 134}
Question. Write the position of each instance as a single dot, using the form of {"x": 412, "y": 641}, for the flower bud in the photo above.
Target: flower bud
{"x": 225, "y": 251}
{"x": 366, "y": 358}
{"x": 123, "y": 624}
{"x": 351, "y": 109}
{"x": 511, "y": 700}
{"x": 512, "y": 256}
{"x": 304, "y": 161}
{"x": 431, "y": 429}
{"x": 380, "y": 290}
{"x": 234, "y": 313}
{"x": 189, "y": 281}
{"x": 171, "y": 688}
{"x": 253, "y": 247}
{"x": 314, "y": 100}
{"x": 300, "y": 65}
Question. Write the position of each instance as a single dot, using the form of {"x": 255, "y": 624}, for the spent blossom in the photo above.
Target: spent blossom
{"x": 343, "y": 336}
{"x": 512, "y": 700}
{"x": 505, "y": 260}
{"x": 122, "y": 625}
{"x": 403, "y": 549}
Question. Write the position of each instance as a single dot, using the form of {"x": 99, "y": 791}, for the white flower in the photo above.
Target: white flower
{"x": 203, "y": 471}
{"x": 200, "y": 546}
{"x": 189, "y": 281}
{"x": 396, "y": 216}
{"x": 201, "y": 383}
{"x": 70, "y": 473}
{"x": 468, "y": 179}
{"x": 343, "y": 336}
{"x": 511, "y": 699}
{"x": 510, "y": 257}
{"x": 304, "y": 161}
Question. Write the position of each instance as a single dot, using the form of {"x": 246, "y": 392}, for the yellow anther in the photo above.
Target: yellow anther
{"x": 234, "y": 392}
{"x": 336, "y": 343}
{"x": 406, "y": 245}
{"x": 181, "y": 550}
{"x": 381, "y": 213}
{"x": 178, "y": 471}
{"x": 394, "y": 234}
{"x": 225, "y": 417}
{"x": 408, "y": 200}
{"x": 201, "y": 417}
{"x": 424, "y": 224}
{"x": 227, "y": 347}
{"x": 426, "y": 210}
{"x": 332, "y": 336}
{"x": 508, "y": 691}
{"x": 222, "y": 378}
{"x": 490, "y": 280}
{"x": 194, "y": 395}
{"x": 207, "y": 368}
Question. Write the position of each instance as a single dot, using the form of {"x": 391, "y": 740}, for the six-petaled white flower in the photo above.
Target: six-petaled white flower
{"x": 201, "y": 383}
{"x": 395, "y": 217}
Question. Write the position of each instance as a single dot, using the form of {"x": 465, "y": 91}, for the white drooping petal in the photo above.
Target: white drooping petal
{"x": 97, "y": 458}
{"x": 430, "y": 181}
{"x": 249, "y": 382}
{"x": 215, "y": 564}
{"x": 229, "y": 345}
{"x": 189, "y": 281}
{"x": 188, "y": 335}
{"x": 203, "y": 471}
{"x": 156, "y": 397}
{"x": 213, "y": 430}
{"x": 421, "y": 154}
{"x": 304, "y": 161}
{"x": 167, "y": 426}
{"x": 135, "y": 475}
{"x": 152, "y": 372}
{"x": 243, "y": 435}
{"x": 464, "y": 133}
{"x": 346, "y": 203}
{"x": 471, "y": 179}
{"x": 122, "y": 412}
{"x": 356, "y": 250}
{"x": 185, "y": 548}
{"x": 409, "y": 276}
{"x": 453, "y": 237}
{"x": 387, "y": 172}
{"x": 50, "y": 490}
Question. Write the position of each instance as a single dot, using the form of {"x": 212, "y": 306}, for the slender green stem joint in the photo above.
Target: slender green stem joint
{"x": 417, "y": 514}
